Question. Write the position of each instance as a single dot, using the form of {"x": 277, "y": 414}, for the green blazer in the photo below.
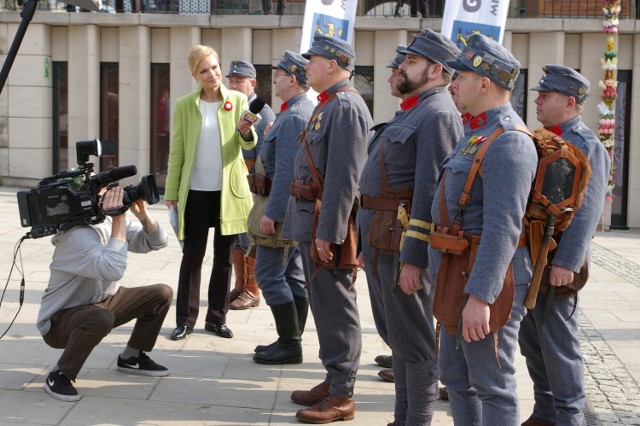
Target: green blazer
{"x": 236, "y": 200}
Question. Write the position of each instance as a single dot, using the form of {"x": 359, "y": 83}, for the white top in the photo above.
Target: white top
{"x": 207, "y": 167}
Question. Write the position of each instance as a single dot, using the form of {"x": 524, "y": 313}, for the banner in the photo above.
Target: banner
{"x": 334, "y": 18}
{"x": 465, "y": 17}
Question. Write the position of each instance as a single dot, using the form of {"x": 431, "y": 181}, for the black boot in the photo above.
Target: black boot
{"x": 302, "y": 310}
{"x": 287, "y": 350}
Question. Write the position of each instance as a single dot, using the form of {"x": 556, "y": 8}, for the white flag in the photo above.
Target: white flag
{"x": 462, "y": 18}
{"x": 334, "y": 18}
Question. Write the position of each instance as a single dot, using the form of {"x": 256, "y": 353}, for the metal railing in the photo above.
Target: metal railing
{"x": 372, "y": 8}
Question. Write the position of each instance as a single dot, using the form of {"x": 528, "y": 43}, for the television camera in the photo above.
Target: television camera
{"x": 71, "y": 198}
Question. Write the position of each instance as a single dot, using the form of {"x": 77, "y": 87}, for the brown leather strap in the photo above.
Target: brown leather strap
{"x": 475, "y": 166}
{"x": 386, "y": 204}
{"x": 318, "y": 179}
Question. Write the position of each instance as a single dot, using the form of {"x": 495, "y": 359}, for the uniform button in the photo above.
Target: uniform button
{"x": 350, "y": 393}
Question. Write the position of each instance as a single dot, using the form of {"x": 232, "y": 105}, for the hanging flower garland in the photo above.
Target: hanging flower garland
{"x": 609, "y": 85}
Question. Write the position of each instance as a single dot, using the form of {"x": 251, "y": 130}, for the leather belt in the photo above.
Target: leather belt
{"x": 388, "y": 204}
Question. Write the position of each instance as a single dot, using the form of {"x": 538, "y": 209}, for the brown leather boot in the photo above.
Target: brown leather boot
{"x": 312, "y": 396}
{"x": 532, "y": 421}
{"x": 330, "y": 409}
{"x": 250, "y": 297}
{"x": 238, "y": 268}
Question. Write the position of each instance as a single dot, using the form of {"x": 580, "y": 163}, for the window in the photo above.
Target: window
{"x": 109, "y": 126}
{"x": 519, "y": 94}
{"x": 160, "y": 123}
{"x": 60, "y": 117}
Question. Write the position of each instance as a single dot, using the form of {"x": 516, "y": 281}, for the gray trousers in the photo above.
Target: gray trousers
{"x": 406, "y": 324}
{"x": 480, "y": 391}
{"x": 279, "y": 282}
{"x": 554, "y": 361}
{"x": 333, "y": 302}
{"x": 78, "y": 330}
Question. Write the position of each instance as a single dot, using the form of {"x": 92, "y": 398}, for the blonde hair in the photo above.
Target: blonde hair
{"x": 198, "y": 53}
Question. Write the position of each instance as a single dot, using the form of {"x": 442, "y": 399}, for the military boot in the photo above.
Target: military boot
{"x": 287, "y": 349}
{"x": 250, "y": 297}
{"x": 302, "y": 310}
{"x": 238, "y": 268}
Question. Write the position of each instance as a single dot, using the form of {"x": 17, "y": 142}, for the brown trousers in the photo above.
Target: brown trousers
{"x": 78, "y": 330}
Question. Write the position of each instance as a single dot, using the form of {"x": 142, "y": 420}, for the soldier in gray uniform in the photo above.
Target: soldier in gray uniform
{"x": 386, "y": 361}
{"x": 478, "y": 366}
{"x": 552, "y": 347}
{"x": 337, "y": 136}
{"x": 242, "y": 77}
{"x": 279, "y": 269}
{"x": 411, "y": 146}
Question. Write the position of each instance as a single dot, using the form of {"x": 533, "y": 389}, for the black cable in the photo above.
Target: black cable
{"x": 16, "y": 251}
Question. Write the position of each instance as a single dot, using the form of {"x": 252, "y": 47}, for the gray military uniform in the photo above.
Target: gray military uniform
{"x": 482, "y": 391}
{"x": 268, "y": 116}
{"x": 281, "y": 281}
{"x": 414, "y": 144}
{"x": 337, "y": 140}
{"x": 552, "y": 348}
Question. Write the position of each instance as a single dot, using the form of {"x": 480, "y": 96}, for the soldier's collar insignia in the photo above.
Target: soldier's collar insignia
{"x": 409, "y": 103}
{"x": 478, "y": 121}
{"x": 556, "y": 129}
{"x": 322, "y": 97}
{"x": 466, "y": 117}
{"x": 284, "y": 106}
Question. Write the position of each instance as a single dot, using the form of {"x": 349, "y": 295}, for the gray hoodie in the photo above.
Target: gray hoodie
{"x": 87, "y": 265}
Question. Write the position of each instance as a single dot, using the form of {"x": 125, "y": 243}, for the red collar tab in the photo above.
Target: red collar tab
{"x": 284, "y": 106}
{"x": 556, "y": 129}
{"x": 478, "y": 121}
{"x": 466, "y": 117}
{"x": 409, "y": 103}
{"x": 322, "y": 97}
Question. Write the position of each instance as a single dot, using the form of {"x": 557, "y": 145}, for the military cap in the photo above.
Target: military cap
{"x": 435, "y": 47}
{"x": 558, "y": 78}
{"x": 242, "y": 69}
{"x": 293, "y": 63}
{"x": 333, "y": 48}
{"x": 490, "y": 59}
{"x": 395, "y": 63}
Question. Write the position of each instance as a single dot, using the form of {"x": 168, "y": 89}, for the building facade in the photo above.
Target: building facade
{"x": 81, "y": 76}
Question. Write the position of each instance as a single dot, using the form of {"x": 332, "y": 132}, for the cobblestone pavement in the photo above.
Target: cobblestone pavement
{"x": 613, "y": 394}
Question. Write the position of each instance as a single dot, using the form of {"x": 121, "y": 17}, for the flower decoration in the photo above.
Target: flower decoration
{"x": 228, "y": 106}
{"x": 609, "y": 84}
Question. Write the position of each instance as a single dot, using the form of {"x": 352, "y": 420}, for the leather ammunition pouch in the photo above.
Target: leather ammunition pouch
{"x": 303, "y": 190}
{"x": 260, "y": 185}
{"x": 385, "y": 233}
{"x": 457, "y": 258}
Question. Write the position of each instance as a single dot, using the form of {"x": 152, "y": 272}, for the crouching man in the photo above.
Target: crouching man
{"x": 84, "y": 301}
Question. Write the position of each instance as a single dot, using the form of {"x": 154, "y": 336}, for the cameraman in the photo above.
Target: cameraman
{"x": 84, "y": 301}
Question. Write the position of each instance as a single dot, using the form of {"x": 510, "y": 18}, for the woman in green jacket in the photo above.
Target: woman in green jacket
{"x": 207, "y": 185}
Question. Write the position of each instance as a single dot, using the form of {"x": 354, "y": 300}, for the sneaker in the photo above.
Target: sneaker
{"x": 59, "y": 387}
{"x": 141, "y": 365}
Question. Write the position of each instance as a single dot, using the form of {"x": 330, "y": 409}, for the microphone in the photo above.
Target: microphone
{"x": 252, "y": 114}
{"x": 115, "y": 174}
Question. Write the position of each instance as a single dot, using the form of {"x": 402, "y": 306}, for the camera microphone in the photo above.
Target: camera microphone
{"x": 252, "y": 113}
{"x": 116, "y": 174}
